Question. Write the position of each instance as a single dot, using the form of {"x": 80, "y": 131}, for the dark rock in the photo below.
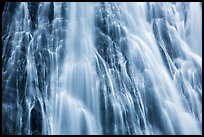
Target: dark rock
{"x": 36, "y": 119}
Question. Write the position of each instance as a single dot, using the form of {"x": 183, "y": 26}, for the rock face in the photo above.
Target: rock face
{"x": 36, "y": 119}
{"x": 25, "y": 45}
{"x": 101, "y": 68}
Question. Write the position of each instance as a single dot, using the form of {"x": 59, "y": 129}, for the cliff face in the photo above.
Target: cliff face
{"x": 101, "y": 68}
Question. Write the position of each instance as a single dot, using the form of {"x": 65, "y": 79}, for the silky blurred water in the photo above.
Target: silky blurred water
{"x": 102, "y": 68}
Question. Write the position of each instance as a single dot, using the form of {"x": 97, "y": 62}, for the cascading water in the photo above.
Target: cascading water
{"x": 102, "y": 68}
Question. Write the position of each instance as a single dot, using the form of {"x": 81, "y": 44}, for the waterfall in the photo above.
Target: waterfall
{"x": 102, "y": 68}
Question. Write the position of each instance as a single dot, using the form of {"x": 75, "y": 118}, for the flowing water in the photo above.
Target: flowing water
{"x": 102, "y": 68}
